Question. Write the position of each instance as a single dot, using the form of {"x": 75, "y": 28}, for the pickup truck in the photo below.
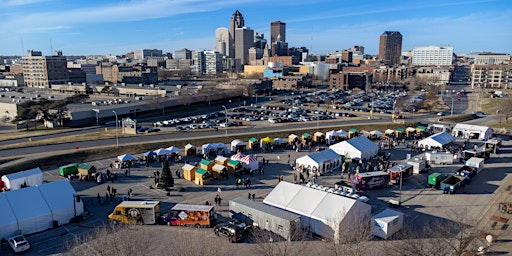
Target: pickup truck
{"x": 452, "y": 183}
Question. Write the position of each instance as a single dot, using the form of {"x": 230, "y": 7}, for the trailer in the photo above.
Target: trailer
{"x": 467, "y": 172}
{"x": 436, "y": 157}
{"x": 400, "y": 171}
{"x": 370, "y": 180}
{"x": 475, "y": 162}
{"x": 493, "y": 145}
{"x": 452, "y": 184}
{"x": 68, "y": 169}
{"x": 191, "y": 215}
{"x": 478, "y": 152}
{"x": 283, "y": 223}
{"x": 419, "y": 165}
{"x": 136, "y": 212}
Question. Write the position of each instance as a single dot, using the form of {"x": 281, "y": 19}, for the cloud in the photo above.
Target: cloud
{"x": 12, "y": 3}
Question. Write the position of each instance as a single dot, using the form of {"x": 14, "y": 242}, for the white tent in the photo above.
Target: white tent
{"x": 321, "y": 162}
{"x": 32, "y": 177}
{"x": 356, "y": 148}
{"x": 30, "y": 209}
{"x": 324, "y": 213}
{"x": 236, "y": 144}
{"x": 438, "y": 140}
{"x": 60, "y": 197}
{"x": 472, "y": 131}
{"x": 387, "y": 223}
{"x": 8, "y": 222}
{"x": 218, "y": 148}
{"x": 376, "y": 133}
{"x": 174, "y": 149}
{"x": 162, "y": 151}
{"x": 280, "y": 141}
{"x": 250, "y": 162}
{"x": 126, "y": 157}
{"x": 331, "y": 134}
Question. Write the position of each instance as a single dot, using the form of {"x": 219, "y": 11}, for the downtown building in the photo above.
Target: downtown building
{"x": 432, "y": 56}
{"x": 491, "y": 76}
{"x": 390, "y": 47}
{"x": 208, "y": 63}
{"x": 43, "y": 71}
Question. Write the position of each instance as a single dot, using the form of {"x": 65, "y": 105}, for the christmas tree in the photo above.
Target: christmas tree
{"x": 166, "y": 179}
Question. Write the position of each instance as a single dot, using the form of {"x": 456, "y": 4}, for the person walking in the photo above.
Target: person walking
{"x": 253, "y": 196}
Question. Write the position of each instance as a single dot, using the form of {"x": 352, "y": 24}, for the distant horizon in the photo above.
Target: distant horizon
{"x": 117, "y": 27}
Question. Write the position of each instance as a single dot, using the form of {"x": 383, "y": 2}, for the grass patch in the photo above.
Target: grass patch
{"x": 88, "y": 155}
{"x": 504, "y": 124}
{"x": 459, "y": 118}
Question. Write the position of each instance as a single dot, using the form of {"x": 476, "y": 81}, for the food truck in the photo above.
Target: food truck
{"x": 136, "y": 212}
{"x": 400, "y": 171}
{"x": 370, "y": 180}
{"x": 190, "y": 215}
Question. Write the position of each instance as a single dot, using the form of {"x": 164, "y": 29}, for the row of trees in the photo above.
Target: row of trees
{"x": 46, "y": 110}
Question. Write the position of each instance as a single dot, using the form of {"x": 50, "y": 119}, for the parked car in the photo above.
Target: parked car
{"x": 233, "y": 231}
{"x": 18, "y": 244}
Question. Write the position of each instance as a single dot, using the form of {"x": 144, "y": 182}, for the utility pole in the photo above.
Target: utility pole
{"x": 117, "y": 129}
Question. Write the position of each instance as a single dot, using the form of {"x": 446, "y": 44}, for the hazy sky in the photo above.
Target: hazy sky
{"x": 81, "y": 27}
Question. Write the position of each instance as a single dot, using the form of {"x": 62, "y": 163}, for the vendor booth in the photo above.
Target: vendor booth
{"x": 356, "y": 148}
{"x": 174, "y": 150}
{"x": 292, "y": 138}
{"x": 387, "y": 223}
{"x": 421, "y": 129}
{"x": 253, "y": 144}
{"x": 319, "y": 162}
{"x": 280, "y": 142}
{"x": 189, "y": 172}
{"x": 206, "y": 165}
{"x": 190, "y": 150}
{"x": 306, "y": 138}
{"x": 399, "y": 133}
{"x": 335, "y": 136}
{"x": 86, "y": 170}
{"x": 126, "y": 157}
{"x": 266, "y": 143}
{"x": 149, "y": 156}
{"x": 162, "y": 152}
{"x": 219, "y": 171}
{"x": 250, "y": 162}
{"x": 28, "y": 178}
{"x": 410, "y": 131}
{"x": 202, "y": 177}
{"x": 222, "y": 160}
{"x": 389, "y": 132}
{"x": 319, "y": 137}
{"x": 214, "y": 149}
{"x": 238, "y": 146}
{"x": 376, "y": 134}
{"x": 233, "y": 166}
{"x": 352, "y": 133}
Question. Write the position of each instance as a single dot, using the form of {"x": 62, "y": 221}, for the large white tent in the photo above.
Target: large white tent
{"x": 217, "y": 148}
{"x": 126, "y": 157}
{"x": 8, "y": 222}
{"x": 472, "y": 131}
{"x": 32, "y": 177}
{"x": 60, "y": 197}
{"x": 438, "y": 140}
{"x": 329, "y": 136}
{"x": 321, "y": 162}
{"x": 325, "y": 214}
{"x": 30, "y": 209}
{"x": 356, "y": 148}
{"x": 174, "y": 150}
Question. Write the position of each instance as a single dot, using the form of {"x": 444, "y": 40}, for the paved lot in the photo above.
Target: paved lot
{"x": 420, "y": 205}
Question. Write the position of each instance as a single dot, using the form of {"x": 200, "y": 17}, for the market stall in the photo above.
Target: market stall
{"x": 250, "y": 162}
{"x": 335, "y": 136}
{"x": 206, "y": 165}
{"x": 389, "y": 132}
{"x": 202, "y": 177}
{"x": 319, "y": 162}
{"x": 352, "y": 133}
{"x": 162, "y": 152}
{"x": 238, "y": 146}
{"x": 86, "y": 170}
{"x": 214, "y": 149}
{"x": 266, "y": 143}
{"x": 436, "y": 141}
{"x": 399, "y": 133}
{"x": 233, "y": 166}
{"x": 190, "y": 150}
{"x": 280, "y": 142}
{"x": 292, "y": 138}
{"x": 410, "y": 131}
{"x": 319, "y": 137}
{"x": 189, "y": 172}
{"x": 149, "y": 156}
{"x": 222, "y": 160}
{"x": 219, "y": 171}
{"x": 253, "y": 144}
{"x": 306, "y": 138}
{"x": 174, "y": 150}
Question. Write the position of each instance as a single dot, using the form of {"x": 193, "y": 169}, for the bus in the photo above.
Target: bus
{"x": 370, "y": 180}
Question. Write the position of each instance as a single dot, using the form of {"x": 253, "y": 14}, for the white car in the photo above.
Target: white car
{"x": 18, "y": 244}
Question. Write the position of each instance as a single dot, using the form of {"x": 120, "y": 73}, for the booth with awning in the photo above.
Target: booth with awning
{"x": 352, "y": 133}
{"x": 214, "y": 149}
{"x": 332, "y": 136}
{"x": 189, "y": 172}
{"x": 202, "y": 177}
{"x": 280, "y": 142}
{"x": 253, "y": 144}
{"x": 233, "y": 165}
{"x": 190, "y": 150}
{"x": 421, "y": 128}
{"x": 409, "y": 131}
{"x": 399, "y": 133}
{"x": 389, "y": 132}
{"x": 438, "y": 140}
{"x": 319, "y": 137}
{"x": 306, "y": 137}
{"x": 174, "y": 150}
{"x": 356, "y": 148}
{"x": 221, "y": 160}
{"x": 218, "y": 171}
{"x": 162, "y": 151}
{"x": 206, "y": 165}
{"x": 238, "y": 146}
{"x": 292, "y": 138}
{"x": 266, "y": 142}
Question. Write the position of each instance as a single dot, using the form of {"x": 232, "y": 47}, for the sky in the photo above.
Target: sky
{"x": 98, "y": 27}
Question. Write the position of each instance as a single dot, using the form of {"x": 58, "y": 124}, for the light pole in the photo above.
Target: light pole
{"x": 451, "y": 112}
{"x": 226, "y": 109}
{"x": 318, "y": 121}
{"x": 117, "y": 130}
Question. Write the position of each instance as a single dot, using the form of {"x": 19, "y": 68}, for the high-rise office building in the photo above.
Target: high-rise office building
{"x": 237, "y": 21}
{"x": 222, "y": 41}
{"x": 208, "y": 62}
{"x": 43, "y": 71}
{"x": 390, "y": 47}
{"x": 144, "y": 53}
{"x": 277, "y": 34}
{"x": 244, "y": 40}
{"x": 432, "y": 56}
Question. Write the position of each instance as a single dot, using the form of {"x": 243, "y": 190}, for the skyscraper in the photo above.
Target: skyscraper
{"x": 390, "y": 47}
{"x": 237, "y": 21}
{"x": 43, "y": 71}
{"x": 222, "y": 41}
{"x": 278, "y": 34}
{"x": 244, "y": 39}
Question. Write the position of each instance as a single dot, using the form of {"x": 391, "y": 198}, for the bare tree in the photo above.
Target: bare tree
{"x": 271, "y": 244}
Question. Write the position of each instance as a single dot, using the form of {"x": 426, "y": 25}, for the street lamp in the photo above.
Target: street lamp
{"x": 226, "y": 119}
{"x": 117, "y": 130}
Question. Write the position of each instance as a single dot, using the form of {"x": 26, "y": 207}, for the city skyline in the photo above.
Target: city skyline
{"x": 118, "y": 27}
